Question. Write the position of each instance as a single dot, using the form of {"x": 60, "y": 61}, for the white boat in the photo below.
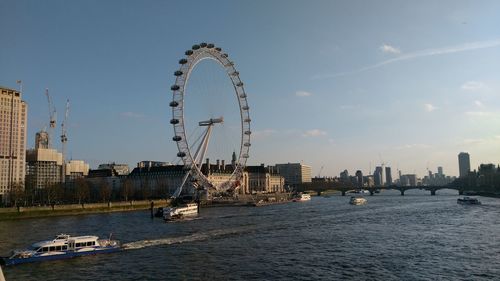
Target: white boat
{"x": 357, "y": 200}
{"x": 179, "y": 212}
{"x": 468, "y": 201}
{"x": 62, "y": 247}
{"x": 302, "y": 197}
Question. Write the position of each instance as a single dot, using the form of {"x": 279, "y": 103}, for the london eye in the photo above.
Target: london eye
{"x": 195, "y": 134}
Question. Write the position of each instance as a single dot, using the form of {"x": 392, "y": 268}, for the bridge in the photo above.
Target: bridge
{"x": 319, "y": 187}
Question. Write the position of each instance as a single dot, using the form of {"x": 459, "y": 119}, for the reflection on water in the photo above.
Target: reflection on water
{"x": 393, "y": 237}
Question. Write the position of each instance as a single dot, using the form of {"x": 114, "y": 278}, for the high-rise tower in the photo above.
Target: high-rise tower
{"x": 13, "y": 123}
{"x": 388, "y": 176}
{"x": 463, "y": 164}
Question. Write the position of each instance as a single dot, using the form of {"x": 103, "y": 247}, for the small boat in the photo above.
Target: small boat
{"x": 302, "y": 197}
{"x": 468, "y": 201}
{"x": 357, "y": 200}
{"x": 63, "y": 246}
{"x": 180, "y": 212}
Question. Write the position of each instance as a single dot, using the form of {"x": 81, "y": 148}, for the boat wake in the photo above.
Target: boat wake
{"x": 200, "y": 236}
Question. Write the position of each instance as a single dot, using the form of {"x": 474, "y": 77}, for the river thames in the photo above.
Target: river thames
{"x": 412, "y": 237}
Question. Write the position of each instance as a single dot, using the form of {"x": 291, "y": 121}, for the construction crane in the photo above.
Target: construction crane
{"x": 52, "y": 118}
{"x": 64, "y": 139}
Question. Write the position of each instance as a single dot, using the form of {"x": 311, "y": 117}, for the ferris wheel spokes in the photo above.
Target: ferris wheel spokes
{"x": 200, "y": 151}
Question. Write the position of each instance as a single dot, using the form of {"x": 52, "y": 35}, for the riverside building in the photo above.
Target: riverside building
{"x": 294, "y": 173}
{"x": 13, "y": 123}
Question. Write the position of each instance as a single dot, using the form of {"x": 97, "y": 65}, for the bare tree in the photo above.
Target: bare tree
{"x": 82, "y": 190}
{"x": 145, "y": 189}
{"x": 104, "y": 190}
{"x": 127, "y": 189}
{"x": 16, "y": 194}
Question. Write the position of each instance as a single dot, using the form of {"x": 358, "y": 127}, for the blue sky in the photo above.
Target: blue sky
{"x": 339, "y": 84}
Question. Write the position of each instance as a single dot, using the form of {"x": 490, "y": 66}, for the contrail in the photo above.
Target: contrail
{"x": 419, "y": 54}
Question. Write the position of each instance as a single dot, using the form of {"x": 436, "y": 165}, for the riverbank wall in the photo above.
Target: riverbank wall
{"x": 77, "y": 209}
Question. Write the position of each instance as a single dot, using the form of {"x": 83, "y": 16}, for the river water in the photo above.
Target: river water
{"x": 412, "y": 237}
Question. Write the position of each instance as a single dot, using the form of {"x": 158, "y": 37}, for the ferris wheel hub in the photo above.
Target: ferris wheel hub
{"x": 211, "y": 121}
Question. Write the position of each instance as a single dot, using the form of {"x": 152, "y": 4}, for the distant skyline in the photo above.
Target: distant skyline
{"x": 332, "y": 84}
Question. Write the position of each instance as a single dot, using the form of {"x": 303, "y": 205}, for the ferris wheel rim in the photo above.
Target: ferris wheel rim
{"x": 192, "y": 58}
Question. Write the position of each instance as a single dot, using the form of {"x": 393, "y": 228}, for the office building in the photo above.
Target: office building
{"x": 377, "y": 176}
{"x": 44, "y": 167}
{"x": 13, "y": 124}
{"x": 76, "y": 169}
{"x": 359, "y": 179}
{"x": 388, "y": 176}
{"x": 463, "y": 164}
{"x": 294, "y": 173}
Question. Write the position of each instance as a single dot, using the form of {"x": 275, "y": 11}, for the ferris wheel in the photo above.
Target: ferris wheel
{"x": 191, "y": 156}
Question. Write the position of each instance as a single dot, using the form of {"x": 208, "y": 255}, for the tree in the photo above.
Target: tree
{"x": 16, "y": 193}
{"x": 53, "y": 192}
{"x": 127, "y": 189}
{"x": 104, "y": 190}
{"x": 82, "y": 190}
{"x": 145, "y": 189}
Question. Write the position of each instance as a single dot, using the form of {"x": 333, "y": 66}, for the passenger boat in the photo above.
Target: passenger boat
{"x": 180, "y": 212}
{"x": 357, "y": 200}
{"x": 63, "y": 246}
{"x": 302, "y": 197}
{"x": 468, "y": 201}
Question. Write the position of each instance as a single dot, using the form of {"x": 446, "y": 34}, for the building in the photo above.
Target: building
{"x": 359, "y": 177}
{"x": 119, "y": 169}
{"x": 408, "y": 180}
{"x": 377, "y": 176}
{"x": 344, "y": 176}
{"x": 43, "y": 167}
{"x": 294, "y": 173}
{"x": 13, "y": 124}
{"x": 76, "y": 169}
{"x": 388, "y": 176}
{"x": 162, "y": 181}
{"x": 463, "y": 164}
{"x": 262, "y": 179}
{"x": 149, "y": 164}
{"x": 440, "y": 171}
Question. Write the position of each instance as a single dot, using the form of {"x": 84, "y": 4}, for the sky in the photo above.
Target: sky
{"x": 332, "y": 84}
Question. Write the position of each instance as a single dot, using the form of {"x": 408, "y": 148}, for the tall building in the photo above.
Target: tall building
{"x": 44, "y": 167}
{"x": 359, "y": 176}
{"x": 440, "y": 171}
{"x": 13, "y": 123}
{"x": 388, "y": 176}
{"x": 294, "y": 173}
{"x": 377, "y": 176}
{"x": 463, "y": 164}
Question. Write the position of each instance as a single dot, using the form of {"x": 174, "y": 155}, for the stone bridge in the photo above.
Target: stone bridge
{"x": 319, "y": 187}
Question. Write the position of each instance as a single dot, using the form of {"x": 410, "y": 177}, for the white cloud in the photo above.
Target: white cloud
{"x": 480, "y": 113}
{"x": 419, "y": 54}
{"x": 429, "y": 107}
{"x": 257, "y": 135}
{"x": 130, "y": 114}
{"x": 473, "y": 86}
{"x": 478, "y": 103}
{"x": 412, "y": 146}
{"x": 386, "y": 48}
{"x": 314, "y": 133}
{"x": 303, "y": 94}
